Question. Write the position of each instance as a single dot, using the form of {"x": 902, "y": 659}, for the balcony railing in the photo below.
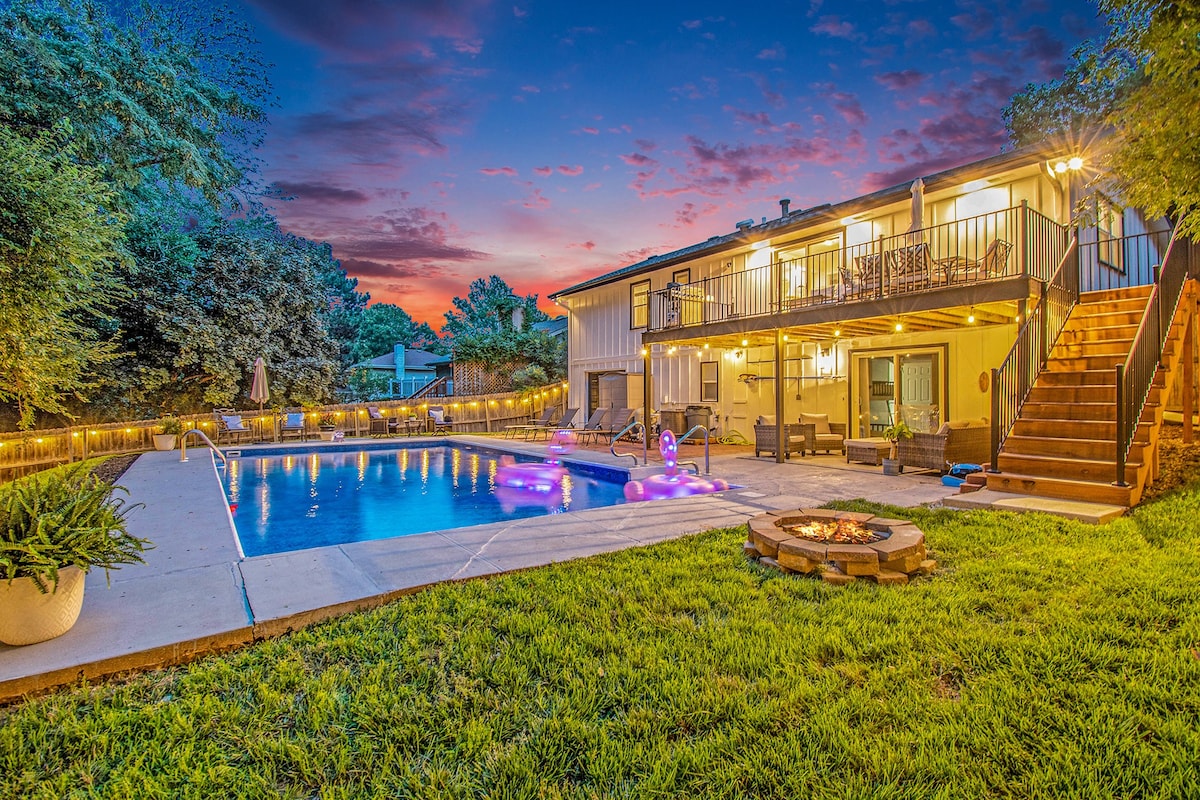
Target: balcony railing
{"x": 1000, "y": 244}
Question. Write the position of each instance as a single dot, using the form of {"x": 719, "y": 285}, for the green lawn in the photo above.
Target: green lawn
{"x": 1046, "y": 659}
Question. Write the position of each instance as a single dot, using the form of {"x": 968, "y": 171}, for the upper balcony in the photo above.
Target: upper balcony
{"x": 1016, "y": 242}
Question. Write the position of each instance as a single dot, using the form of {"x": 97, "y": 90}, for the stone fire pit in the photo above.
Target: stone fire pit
{"x": 841, "y": 546}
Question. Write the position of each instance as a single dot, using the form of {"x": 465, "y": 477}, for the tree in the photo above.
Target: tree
{"x": 1141, "y": 83}
{"x": 175, "y": 94}
{"x": 60, "y": 230}
{"x": 381, "y": 326}
{"x": 489, "y": 308}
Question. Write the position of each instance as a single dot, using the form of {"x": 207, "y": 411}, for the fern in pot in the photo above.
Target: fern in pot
{"x": 54, "y": 527}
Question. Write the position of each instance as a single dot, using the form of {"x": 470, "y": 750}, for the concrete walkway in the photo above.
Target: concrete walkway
{"x": 197, "y": 594}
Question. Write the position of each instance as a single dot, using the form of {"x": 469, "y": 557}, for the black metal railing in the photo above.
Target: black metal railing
{"x": 1135, "y": 377}
{"x": 1108, "y": 263}
{"x": 1000, "y": 244}
{"x": 1014, "y": 378}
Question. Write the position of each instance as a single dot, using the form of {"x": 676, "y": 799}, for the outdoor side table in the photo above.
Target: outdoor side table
{"x": 868, "y": 451}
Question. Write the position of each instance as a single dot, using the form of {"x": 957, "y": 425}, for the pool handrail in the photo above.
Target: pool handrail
{"x": 612, "y": 446}
{"x": 695, "y": 429}
{"x": 183, "y": 445}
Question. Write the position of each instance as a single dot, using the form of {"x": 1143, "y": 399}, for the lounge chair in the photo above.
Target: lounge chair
{"x": 511, "y": 431}
{"x": 292, "y": 424}
{"x": 821, "y": 434}
{"x": 378, "y": 424}
{"x": 766, "y": 438}
{"x": 594, "y": 425}
{"x": 567, "y": 418}
{"x": 618, "y": 418}
{"x": 230, "y": 427}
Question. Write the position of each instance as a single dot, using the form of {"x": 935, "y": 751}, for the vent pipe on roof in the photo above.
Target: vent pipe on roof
{"x": 783, "y": 206}
{"x": 744, "y": 225}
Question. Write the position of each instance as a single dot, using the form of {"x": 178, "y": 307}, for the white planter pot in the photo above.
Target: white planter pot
{"x": 27, "y": 616}
{"x": 327, "y": 436}
{"x": 164, "y": 441}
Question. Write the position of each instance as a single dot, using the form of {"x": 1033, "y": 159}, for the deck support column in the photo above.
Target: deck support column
{"x": 781, "y": 442}
{"x": 646, "y": 390}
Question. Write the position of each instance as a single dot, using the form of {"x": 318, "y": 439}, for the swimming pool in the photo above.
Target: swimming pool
{"x": 291, "y": 499}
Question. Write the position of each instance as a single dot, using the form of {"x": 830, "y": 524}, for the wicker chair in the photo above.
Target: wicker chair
{"x": 955, "y": 443}
{"x": 766, "y": 441}
{"x": 821, "y": 434}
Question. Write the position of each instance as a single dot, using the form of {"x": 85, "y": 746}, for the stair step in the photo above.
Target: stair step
{"x": 1101, "y": 362}
{"x": 1125, "y": 292}
{"x": 1083, "y": 319}
{"x": 1090, "y": 449}
{"x": 1099, "y": 333}
{"x": 1061, "y": 488}
{"x": 1125, "y": 305}
{"x": 1069, "y": 409}
{"x": 1047, "y": 394}
{"x": 1117, "y": 349}
{"x": 1091, "y": 377}
{"x": 1074, "y": 469}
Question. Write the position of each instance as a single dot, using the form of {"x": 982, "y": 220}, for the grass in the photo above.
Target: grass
{"x": 1047, "y": 659}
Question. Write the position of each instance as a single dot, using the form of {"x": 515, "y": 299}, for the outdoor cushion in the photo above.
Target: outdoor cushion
{"x": 373, "y": 412}
{"x": 233, "y": 422}
{"x": 766, "y": 419}
{"x": 820, "y": 423}
{"x": 294, "y": 420}
{"x": 438, "y": 416}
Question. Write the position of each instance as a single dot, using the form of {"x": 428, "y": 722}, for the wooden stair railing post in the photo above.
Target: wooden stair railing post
{"x": 1121, "y": 422}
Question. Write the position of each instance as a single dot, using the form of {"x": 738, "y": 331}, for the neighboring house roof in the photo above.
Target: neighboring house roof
{"x": 554, "y": 327}
{"x": 804, "y": 218}
{"x": 413, "y": 359}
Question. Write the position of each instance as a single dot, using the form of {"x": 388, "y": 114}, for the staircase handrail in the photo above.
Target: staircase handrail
{"x": 428, "y": 388}
{"x": 1135, "y": 376}
{"x": 1015, "y": 376}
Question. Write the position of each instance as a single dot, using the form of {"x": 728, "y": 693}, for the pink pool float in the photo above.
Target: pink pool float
{"x": 671, "y": 483}
{"x": 537, "y": 483}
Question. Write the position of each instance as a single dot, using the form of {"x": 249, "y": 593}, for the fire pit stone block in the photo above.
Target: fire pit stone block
{"x": 859, "y": 553}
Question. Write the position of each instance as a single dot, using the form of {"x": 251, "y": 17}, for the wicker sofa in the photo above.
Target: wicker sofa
{"x": 766, "y": 441}
{"x": 957, "y": 442}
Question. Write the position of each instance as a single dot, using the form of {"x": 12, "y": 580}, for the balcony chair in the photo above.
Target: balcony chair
{"x": 910, "y": 269}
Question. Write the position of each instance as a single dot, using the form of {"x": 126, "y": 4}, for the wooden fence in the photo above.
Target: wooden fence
{"x": 25, "y": 452}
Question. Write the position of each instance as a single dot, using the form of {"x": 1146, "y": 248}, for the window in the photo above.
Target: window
{"x": 708, "y": 382}
{"x": 682, "y": 276}
{"x": 639, "y": 304}
{"x": 1109, "y": 228}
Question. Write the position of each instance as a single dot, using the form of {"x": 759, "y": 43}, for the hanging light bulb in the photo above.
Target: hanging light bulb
{"x": 971, "y": 317}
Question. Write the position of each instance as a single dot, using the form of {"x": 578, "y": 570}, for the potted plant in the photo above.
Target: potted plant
{"x": 328, "y": 427}
{"x": 54, "y": 527}
{"x": 894, "y": 433}
{"x": 170, "y": 427}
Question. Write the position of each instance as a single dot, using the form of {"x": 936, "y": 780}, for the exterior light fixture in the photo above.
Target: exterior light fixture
{"x": 706, "y": 345}
{"x": 1075, "y": 163}
{"x": 837, "y": 331}
{"x": 899, "y": 327}
{"x": 671, "y": 350}
{"x": 971, "y": 317}
{"x": 645, "y": 352}
{"x": 745, "y": 342}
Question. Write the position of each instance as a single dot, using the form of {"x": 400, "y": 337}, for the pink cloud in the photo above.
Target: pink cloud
{"x": 902, "y": 80}
{"x": 572, "y": 171}
{"x": 837, "y": 28}
{"x": 776, "y": 52}
{"x": 530, "y": 89}
{"x": 588, "y": 245}
{"x": 509, "y": 171}
{"x": 848, "y": 106}
{"x": 544, "y": 172}
{"x": 590, "y": 131}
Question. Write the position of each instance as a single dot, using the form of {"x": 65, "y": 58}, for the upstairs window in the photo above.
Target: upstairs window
{"x": 1110, "y": 227}
{"x": 639, "y": 304}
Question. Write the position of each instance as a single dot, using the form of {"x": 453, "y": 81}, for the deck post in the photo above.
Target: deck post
{"x": 995, "y": 443}
{"x": 1121, "y": 424}
{"x": 1188, "y": 400}
{"x": 781, "y": 442}
{"x": 646, "y": 389}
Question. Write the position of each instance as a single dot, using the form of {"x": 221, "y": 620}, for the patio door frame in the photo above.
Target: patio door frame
{"x": 941, "y": 349}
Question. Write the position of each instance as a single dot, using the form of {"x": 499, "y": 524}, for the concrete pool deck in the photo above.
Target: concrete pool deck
{"x": 196, "y": 594}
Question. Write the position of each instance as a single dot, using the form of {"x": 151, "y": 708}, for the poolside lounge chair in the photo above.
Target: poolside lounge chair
{"x": 230, "y": 426}
{"x": 511, "y": 431}
{"x": 594, "y": 425}
{"x": 618, "y": 418}
{"x": 378, "y": 424}
{"x": 565, "y": 422}
{"x": 292, "y": 424}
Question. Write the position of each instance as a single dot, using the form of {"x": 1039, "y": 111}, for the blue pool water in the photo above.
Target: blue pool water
{"x": 293, "y": 499}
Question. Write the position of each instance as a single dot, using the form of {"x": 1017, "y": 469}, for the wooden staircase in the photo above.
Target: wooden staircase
{"x": 1063, "y": 444}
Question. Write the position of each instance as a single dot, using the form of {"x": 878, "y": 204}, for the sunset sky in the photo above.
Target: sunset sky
{"x": 546, "y": 142}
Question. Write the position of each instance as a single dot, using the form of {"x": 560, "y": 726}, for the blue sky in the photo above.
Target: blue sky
{"x": 434, "y": 142}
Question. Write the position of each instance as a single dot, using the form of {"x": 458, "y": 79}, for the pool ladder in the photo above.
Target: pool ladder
{"x": 202, "y": 435}
{"x": 637, "y": 426}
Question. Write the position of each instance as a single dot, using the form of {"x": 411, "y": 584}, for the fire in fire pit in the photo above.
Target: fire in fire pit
{"x": 840, "y": 531}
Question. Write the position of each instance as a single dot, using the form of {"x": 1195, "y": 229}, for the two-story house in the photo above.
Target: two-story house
{"x": 894, "y": 306}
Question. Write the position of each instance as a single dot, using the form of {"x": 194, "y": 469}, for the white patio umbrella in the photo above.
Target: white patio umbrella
{"x": 259, "y": 391}
{"x": 918, "y": 208}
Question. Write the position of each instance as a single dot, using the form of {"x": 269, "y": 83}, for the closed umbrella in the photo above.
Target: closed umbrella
{"x": 259, "y": 392}
{"x": 918, "y": 208}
